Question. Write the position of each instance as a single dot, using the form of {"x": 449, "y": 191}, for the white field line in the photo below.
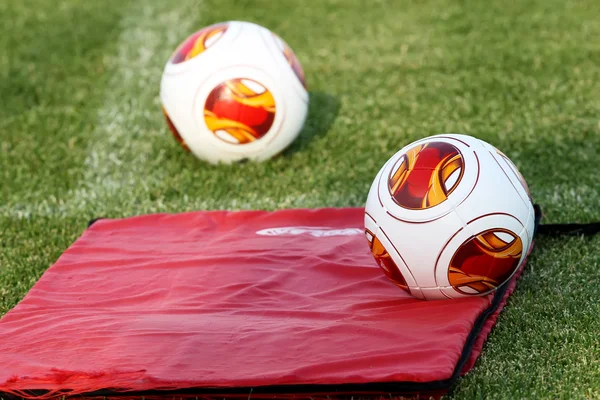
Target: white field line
{"x": 119, "y": 145}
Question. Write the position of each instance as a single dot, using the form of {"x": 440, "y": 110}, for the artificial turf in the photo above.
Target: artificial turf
{"x": 82, "y": 136}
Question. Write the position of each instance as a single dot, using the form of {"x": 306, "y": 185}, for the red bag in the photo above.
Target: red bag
{"x": 231, "y": 303}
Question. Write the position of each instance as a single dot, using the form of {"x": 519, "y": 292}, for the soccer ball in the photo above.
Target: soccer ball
{"x": 234, "y": 91}
{"x": 449, "y": 216}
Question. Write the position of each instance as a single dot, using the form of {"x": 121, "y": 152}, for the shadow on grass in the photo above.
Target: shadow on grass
{"x": 322, "y": 112}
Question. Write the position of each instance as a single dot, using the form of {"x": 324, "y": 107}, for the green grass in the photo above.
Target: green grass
{"x": 81, "y": 136}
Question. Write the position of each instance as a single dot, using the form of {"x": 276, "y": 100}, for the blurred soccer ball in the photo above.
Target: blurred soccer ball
{"x": 449, "y": 216}
{"x": 234, "y": 91}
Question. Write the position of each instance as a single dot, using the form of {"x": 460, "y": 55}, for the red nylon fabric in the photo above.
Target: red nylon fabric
{"x": 175, "y": 301}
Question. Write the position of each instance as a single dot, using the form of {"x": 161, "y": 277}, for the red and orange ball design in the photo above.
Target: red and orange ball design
{"x": 424, "y": 177}
{"x": 198, "y": 43}
{"x": 385, "y": 261}
{"x": 240, "y": 111}
{"x": 484, "y": 262}
{"x": 237, "y": 111}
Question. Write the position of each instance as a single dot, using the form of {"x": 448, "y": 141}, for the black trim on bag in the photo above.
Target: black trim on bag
{"x": 554, "y": 230}
{"x": 567, "y": 229}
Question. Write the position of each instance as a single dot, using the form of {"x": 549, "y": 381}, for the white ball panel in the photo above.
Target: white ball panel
{"x": 419, "y": 244}
{"x": 212, "y": 40}
{"x": 276, "y": 47}
{"x": 370, "y": 224}
{"x": 434, "y": 294}
{"x": 417, "y": 293}
{"x": 494, "y": 193}
{"x": 511, "y": 171}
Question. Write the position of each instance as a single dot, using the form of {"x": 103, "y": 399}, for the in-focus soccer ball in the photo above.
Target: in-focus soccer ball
{"x": 449, "y": 216}
{"x": 234, "y": 91}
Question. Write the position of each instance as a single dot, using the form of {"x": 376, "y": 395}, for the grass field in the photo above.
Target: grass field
{"x": 82, "y": 136}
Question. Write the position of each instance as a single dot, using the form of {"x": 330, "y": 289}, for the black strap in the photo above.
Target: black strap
{"x": 554, "y": 230}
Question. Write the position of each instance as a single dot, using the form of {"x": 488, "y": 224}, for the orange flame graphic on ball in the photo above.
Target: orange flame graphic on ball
{"x": 485, "y": 261}
{"x": 198, "y": 42}
{"x": 385, "y": 262}
{"x": 426, "y": 175}
{"x": 239, "y": 111}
